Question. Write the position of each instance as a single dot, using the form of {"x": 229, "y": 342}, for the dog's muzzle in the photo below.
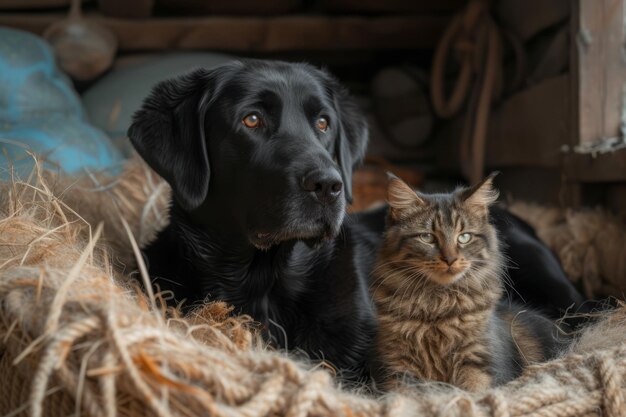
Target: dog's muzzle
{"x": 324, "y": 186}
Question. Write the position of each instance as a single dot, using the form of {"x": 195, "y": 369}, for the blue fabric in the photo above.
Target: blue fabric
{"x": 42, "y": 114}
{"x": 113, "y": 99}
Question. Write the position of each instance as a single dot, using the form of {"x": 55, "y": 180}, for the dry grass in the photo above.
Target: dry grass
{"x": 590, "y": 243}
{"x": 78, "y": 338}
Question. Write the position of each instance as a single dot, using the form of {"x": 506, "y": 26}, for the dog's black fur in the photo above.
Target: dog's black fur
{"x": 257, "y": 218}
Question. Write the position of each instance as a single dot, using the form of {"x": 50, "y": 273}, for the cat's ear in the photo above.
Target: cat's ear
{"x": 400, "y": 196}
{"x": 481, "y": 195}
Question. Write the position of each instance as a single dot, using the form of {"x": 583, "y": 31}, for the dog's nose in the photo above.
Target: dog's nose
{"x": 326, "y": 186}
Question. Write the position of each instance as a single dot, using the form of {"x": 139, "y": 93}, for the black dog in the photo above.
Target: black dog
{"x": 259, "y": 156}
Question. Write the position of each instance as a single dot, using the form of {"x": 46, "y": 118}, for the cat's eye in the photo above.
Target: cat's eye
{"x": 322, "y": 124}
{"x": 426, "y": 237}
{"x": 464, "y": 238}
{"x": 252, "y": 121}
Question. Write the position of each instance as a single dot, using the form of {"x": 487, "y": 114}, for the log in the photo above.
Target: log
{"x": 258, "y": 34}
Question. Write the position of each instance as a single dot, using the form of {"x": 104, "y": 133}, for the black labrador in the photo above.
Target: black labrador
{"x": 259, "y": 155}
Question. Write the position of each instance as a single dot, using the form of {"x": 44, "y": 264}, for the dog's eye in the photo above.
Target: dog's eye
{"x": 252, "y": 121}
{"x": 322, "y": 124}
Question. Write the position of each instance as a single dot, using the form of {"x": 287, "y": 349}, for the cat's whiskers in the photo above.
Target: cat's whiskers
{"x": 389, "y": 299}
{"x": 421, "y": 285}
{"x": 414, "y": 283}
{"x": 382, "y": 265}
{"x": 390, "y": 274}
{"x": 392, "y": 265}
{"x": 508, "y": 285}
{"x": 408, "y": 279}
{"x": 507, "y": 263}
{"x": 483, "y": 278}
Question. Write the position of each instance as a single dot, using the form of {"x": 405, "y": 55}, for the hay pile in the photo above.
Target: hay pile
{"x": 590, "y": 243}
{"x": 75, "y": 338}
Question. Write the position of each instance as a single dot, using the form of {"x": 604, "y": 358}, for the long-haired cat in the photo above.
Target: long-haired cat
{"x": 438, "y": 288}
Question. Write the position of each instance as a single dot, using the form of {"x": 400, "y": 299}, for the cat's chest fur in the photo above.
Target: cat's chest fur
{"x": 434, "y": 343}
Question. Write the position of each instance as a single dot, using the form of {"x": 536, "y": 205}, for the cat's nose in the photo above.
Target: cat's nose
{"x": 449, "y": 259}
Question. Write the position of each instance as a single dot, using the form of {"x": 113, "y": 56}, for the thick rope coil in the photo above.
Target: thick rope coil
{"x": 106, "y": 353}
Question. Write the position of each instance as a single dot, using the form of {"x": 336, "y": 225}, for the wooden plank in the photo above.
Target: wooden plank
{"x": 391, "y": 6}
{"x": 599, "y": 69}
{"x": 31, "y": 4}
{"x": 574, "y": 70}
{"x": 259, "y": 34}
{"x": 527, "y": 130}
{"x": 608, "y": 167}
{"x": 554, "y": 58}
{"x": 615, "y": 67}
{"x": 529, "y": 17}
{"x": 172, "y": 8}
{"x": 514, "y": 183}
{"x": 616, "y": 198}
{"x": 530, "y": 127}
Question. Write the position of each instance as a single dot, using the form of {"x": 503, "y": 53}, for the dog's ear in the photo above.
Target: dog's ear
{"x": 168, "y": 132}
{"x": 351, "y": 141}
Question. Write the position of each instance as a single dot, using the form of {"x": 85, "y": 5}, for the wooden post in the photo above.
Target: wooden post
{"x": 599, "y": 69}
{"x": 598, "y": 96}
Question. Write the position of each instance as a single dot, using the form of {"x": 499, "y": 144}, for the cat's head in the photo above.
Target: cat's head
{"x": 445, "y": 237}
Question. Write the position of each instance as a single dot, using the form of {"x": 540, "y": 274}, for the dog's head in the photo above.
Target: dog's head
{"x": 268, "y": 145}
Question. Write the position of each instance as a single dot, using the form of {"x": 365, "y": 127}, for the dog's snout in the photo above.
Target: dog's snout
{"x": 325, "y": 186}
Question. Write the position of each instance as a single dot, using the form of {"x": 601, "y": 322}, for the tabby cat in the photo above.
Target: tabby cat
{"x": 438, "y": 290}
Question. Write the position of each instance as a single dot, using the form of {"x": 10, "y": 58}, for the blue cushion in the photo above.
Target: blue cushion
{"x": 42, "y": 114}
{"x": 112, "y": 100}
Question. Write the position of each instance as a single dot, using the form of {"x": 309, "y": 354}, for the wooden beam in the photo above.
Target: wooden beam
{"x": 598, "y": 68}
{"x": 32, "y": 4}
{"x": 608, "y": 167}
{"x": 258, "y": 34}
{"x": 391, "y": 6}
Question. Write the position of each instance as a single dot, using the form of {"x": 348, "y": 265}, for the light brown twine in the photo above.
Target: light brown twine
{"x": 112, "y": 354}
{"x": 612, "y": 382}
{"x": 590, "y": 243}
{"x": 498, "y": 404}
